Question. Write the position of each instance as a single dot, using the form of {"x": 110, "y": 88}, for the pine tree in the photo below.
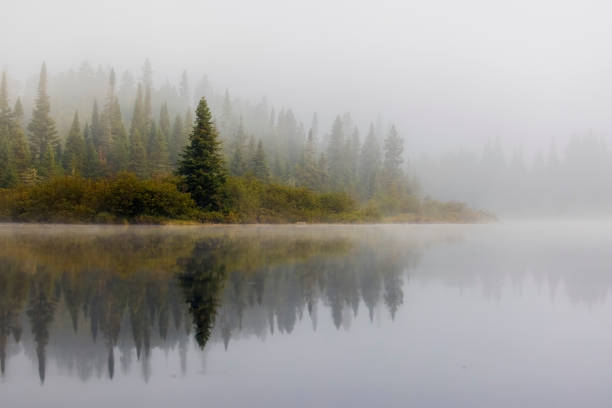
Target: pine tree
{"x": 138, "y": 151}
{"x": 91, "y": 165}
{"x": 335, "y": 156}
{"x": 120, "y": 151}
{"x": 259, "y": 168}
{"x": 369, "y": 165}
{"x": 225, "y": 128}
{"x": 106, "y": 120}
{"x": 238, "y": 163}
{"x": 202, "y": 166}
{"x": 184, "y": 90}
{"x": 74, "y": 152}
{"x": 95, "y": 128}
{"x": 8, "y": 172}
{"x": 113, "y": 147}
{"x": 5, "y": 109}
{"x": 164, "y": 122}
{"x": 308, "y": 173}
{"x": 21, "y": 148}
{"x": 43, "y": 136}
{"x": 355, "y": 148}
{"x": 178, "y": 141}
{"x": 394, "y": 147}
{"x": 392, "y": 165}
{"x": 147, "y": 82}
{"x": 158, "y": 152}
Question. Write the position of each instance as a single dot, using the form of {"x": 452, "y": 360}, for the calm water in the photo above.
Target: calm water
{"x": 358, "y": 316}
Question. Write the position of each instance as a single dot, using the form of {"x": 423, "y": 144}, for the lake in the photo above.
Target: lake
{"x": 499, "y": 315}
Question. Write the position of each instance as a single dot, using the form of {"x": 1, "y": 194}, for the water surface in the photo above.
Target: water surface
{"x": 464, "y": 315}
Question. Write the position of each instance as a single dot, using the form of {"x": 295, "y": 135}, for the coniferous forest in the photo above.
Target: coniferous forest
{"x": 109, "y": 150}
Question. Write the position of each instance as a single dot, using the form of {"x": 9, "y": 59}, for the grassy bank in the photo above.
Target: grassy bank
{"x": 124, "y": 198}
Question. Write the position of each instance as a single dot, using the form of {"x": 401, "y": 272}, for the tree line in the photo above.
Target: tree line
{"x": 105, "y": 138}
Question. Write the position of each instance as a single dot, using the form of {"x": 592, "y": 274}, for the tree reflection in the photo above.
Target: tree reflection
{"x": 202, "y": 280}
{"x": 88, "y": 299}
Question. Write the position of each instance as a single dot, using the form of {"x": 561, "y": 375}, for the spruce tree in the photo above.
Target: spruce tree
{"x": 164, "y": 122}
{"x": 147, "y": 83}
{"x": 95, "y": 129}
{"x": 104, "y": 143}
{"x": 43, "y": 136}
{"x": 392, "y": 165}
{"x": 369, "y": 165}
{"x": 158, "y": 152}
{"x": 225, "y": 128}
{"x": 184, "y": 90}
{"x": 335, "y": 155}
{"x": 238, "y": 163}
{"x": 5, "y": 109}
{"x": 21, "y": 148}
{"x": 188, "y": 124}
{"x": 138, "y": 151}
{"x": 177, "y": 141}
{"x": 91, "y": 165}
{"x": 308, "y": 174}
{"x": 259, "y": 168}
{"x": 202, "y": 166}
{"x": 120, "y": 149}
{"x": 74, "y": 152}
{"x": 8, "y": 172}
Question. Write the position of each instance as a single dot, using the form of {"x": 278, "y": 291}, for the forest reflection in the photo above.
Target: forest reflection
{"x": 94, "y": 300}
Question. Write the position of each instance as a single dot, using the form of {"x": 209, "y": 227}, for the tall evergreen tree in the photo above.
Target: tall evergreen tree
{"x": 106, "y": 120}
{"x": 74, "y": 152}
{"x": 120, "y": 151}
{"x": 184, "y": 90}
{"x": 164, "y": 122}
{"x": 43, "y": 136}
{"x": 239, "y": 161}
{"x": 202, "y": 166}
{"x": 8, "y": 172}
{"x": 259, "y": 168}
{"x": 21, "y": 148}
{"x": 158, "y": 152}
{"x": 225, "y": 127}
{"x": 138, "y": 151}
{"x": 147, "y": 83}
{"x": 335, "y": 156}
{"x": 96, "y": 127}
{"x": 369, "y": 165}
{"x": 178, "y": 140}
{"x": 91, "y": 165}
{"x": 392, "y": 165}
{"x": 308, "y": 173}
{"x": 188, "y": 123}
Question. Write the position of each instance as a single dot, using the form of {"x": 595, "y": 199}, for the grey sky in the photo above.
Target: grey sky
{"x": 448, "y": 73}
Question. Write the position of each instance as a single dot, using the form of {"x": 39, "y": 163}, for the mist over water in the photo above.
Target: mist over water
{"x": 501, "y": 314}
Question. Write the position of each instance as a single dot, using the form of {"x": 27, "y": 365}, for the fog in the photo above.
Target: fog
{"x": 447, "y": 73}
{"x": 452, "y": 76}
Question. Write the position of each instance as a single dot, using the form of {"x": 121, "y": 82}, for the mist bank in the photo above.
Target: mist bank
{"x": 566, "y": 181}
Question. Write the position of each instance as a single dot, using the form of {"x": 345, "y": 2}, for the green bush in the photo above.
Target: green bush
{"x": 76, "y": 199}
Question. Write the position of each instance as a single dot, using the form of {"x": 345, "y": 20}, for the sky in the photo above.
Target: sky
{"x": 449, "y": 74}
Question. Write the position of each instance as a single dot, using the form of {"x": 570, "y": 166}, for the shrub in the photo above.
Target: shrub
{"x": 75, "y": 199}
